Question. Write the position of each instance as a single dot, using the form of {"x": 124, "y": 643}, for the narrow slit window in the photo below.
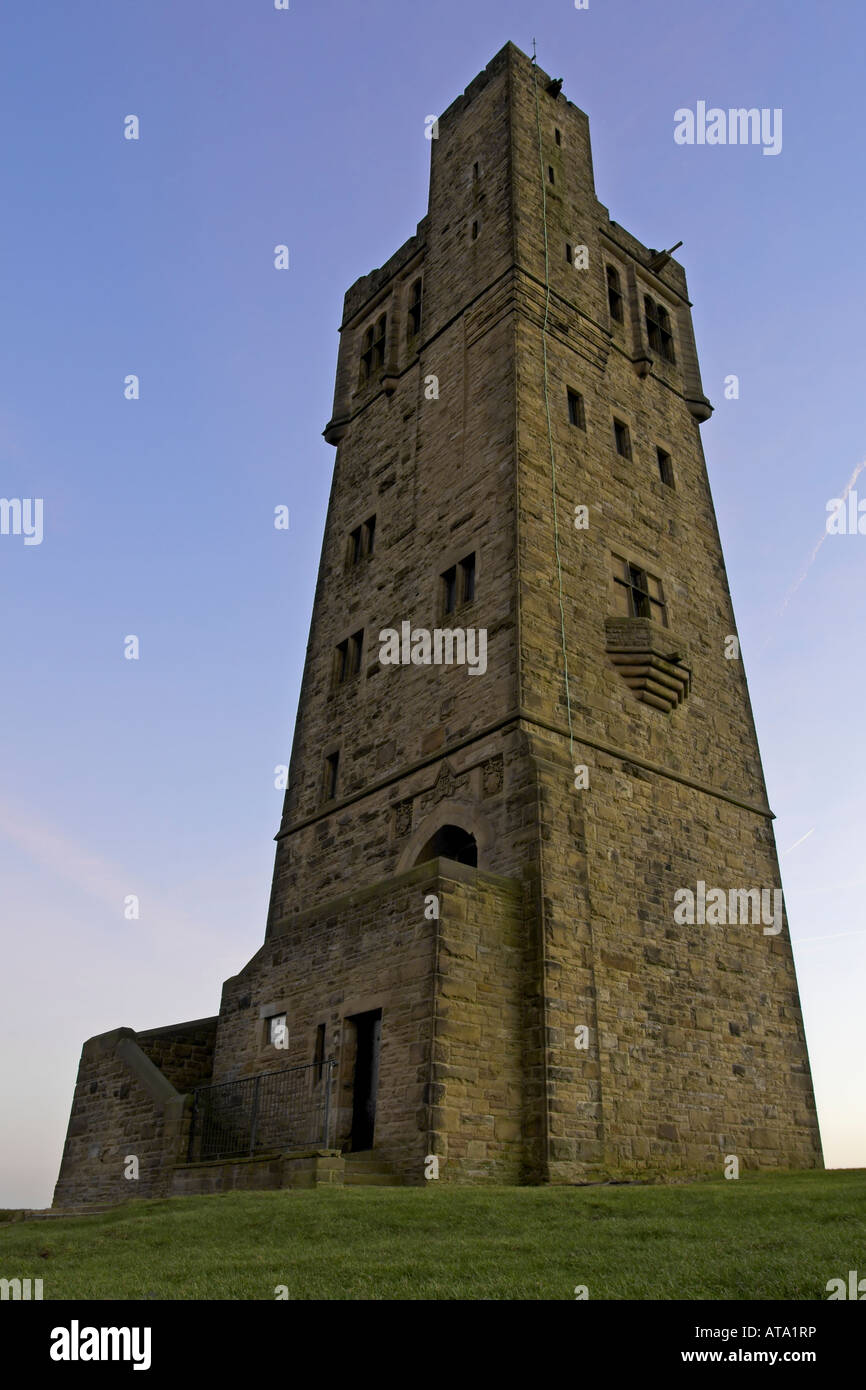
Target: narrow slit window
{"x": 569, "y": 254}
{"x": 341, "y": 664}
{"x": 370, "y": 532}
{"x": 467, "y": 573}
{"x": 332, "y": 771}
{"x": 550, "y": 174}
{"x": 366, "y": 366}
{"x": 449, "y": 590}
{"x": 379, "y": 343}
{"x": 614, "y": 294}
{"x": 414, "y": 321}
{"x": 558, "y": 136}
{"x": 474, "y": 230}
{"x": 319, "y": 1051}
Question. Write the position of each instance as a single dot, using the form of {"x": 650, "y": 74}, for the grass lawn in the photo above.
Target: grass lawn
{"x": 762, "y": 1236}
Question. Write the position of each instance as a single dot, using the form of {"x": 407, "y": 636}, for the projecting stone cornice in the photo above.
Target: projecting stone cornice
{"x": 522, "y": 716}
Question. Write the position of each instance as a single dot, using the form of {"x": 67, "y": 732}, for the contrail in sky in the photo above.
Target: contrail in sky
{"x": 800, "y": 841}
{"x": 811, "y": 560}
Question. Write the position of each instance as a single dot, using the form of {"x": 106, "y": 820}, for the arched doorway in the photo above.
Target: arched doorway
{"x": 450, "y": 842}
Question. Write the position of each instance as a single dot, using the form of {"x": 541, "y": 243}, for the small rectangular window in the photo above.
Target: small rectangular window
{"x": 332, "y": 768}
{"x": 458, "y": 584}
{"x": 361, "y": 542}
{"x": 569, "y": 254}
{"x": 622, "y": 438}
{"x": 475, "y": 170}
{"x": 576, "y": 413}
{"x": 658, "y": 327}
{"x": 637, "y": 594}
{"x": 319, "y": 1052}
{"x": 474, "y": 230}
{"x": 666, "y": 471}
{"x": 467, "y": 573}
{"x": 373, "y": 350}
{"x": 449, "y": 590}
{"x": 347, "y": 658}
{"x": 277, "y": 1032}
{"x": 558, "y": 136}
{"x": 550, "y": 177}
{"x": 341, "y": 662}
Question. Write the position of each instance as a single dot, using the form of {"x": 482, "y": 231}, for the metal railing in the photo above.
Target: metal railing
{"x": 288, "y": 1109}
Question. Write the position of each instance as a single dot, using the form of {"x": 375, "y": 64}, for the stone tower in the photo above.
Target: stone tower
{"x": 480, "y": 904}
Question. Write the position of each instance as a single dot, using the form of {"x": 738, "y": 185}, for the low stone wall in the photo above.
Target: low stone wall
{"x": 129, "y": 1122}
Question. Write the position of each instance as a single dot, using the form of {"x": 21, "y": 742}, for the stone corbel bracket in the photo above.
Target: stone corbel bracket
{"x": 651, "y": 659}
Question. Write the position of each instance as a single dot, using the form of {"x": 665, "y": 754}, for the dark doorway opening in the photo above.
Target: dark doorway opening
{"x": 451, "y": 842}
{"x": 368, "y": 1039}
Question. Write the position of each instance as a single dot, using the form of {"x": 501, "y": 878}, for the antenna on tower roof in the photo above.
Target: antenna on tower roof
{"x": 659, "y": 259}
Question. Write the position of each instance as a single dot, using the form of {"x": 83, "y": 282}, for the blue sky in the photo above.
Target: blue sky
{"x": 155, "y": 257}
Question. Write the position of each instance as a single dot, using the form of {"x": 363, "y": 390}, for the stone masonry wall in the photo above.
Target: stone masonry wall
{"x": 697, "y": 1039}
{"x": 438, "y": 473}
{"x": 372, "y": 949}
{"x": 703, "y": 759}
{"x": 183, "y": 1052}
{"x": 696, "y": 1043}
{"x": 477, "y": 1091}
{"x": 462, "y": 975}
{"x": 124, "y": 1105}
